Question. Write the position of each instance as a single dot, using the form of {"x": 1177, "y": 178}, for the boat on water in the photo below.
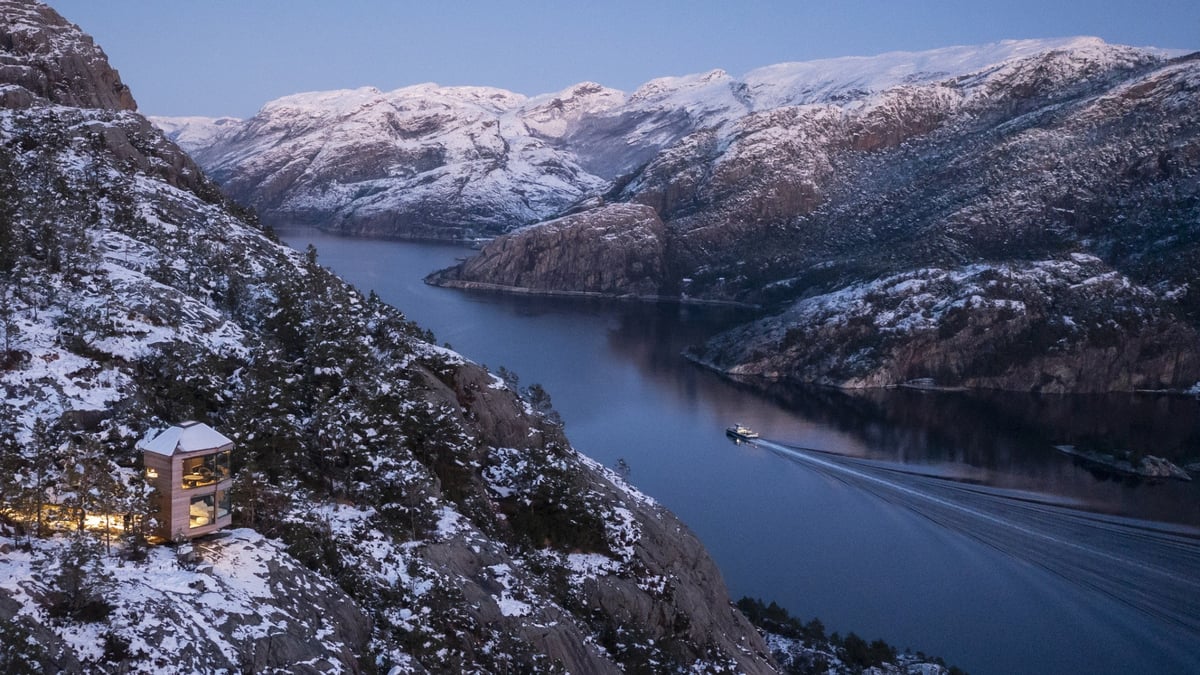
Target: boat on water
{"x": 741, "y": 432}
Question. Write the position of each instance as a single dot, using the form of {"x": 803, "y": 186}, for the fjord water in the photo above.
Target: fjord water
{"x": 938, "y": 521}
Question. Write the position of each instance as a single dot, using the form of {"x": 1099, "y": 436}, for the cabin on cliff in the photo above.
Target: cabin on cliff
{"x": 188, "y": 465}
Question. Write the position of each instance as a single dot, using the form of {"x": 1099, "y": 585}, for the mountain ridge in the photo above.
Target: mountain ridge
{"x": 419, "y": 162}
{"x": 805, "y": 179}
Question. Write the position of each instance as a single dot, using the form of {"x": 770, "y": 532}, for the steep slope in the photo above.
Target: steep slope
{"x": 409, "y": 510}
{"x": 1108, "y": 167}
{"x": 423, "y": 161}
{"x": 801, "y": 180}
{"x": 1085, "y": 148}
{"x": 613, "y": 250}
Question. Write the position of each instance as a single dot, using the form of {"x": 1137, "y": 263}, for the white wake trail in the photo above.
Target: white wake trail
{"x": 1152, "y": 568}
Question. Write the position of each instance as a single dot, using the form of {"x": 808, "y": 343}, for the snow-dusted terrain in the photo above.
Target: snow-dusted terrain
{"x": 195, "y": 132}
{"x": 400, "y": 509}
{"x": 457, "y": 161}
{"x": 792, "y": 180}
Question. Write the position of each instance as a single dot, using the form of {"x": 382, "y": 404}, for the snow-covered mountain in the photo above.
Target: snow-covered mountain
{"x": 1081, "y": 148}
{"x": 429, "y": 161}
{"x": 192, "y": 132}
{"x": 421, "y": 161}
{"x": 797, "y": 180}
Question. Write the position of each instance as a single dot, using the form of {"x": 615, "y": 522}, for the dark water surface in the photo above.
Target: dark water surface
{"x": 944, "y": 522}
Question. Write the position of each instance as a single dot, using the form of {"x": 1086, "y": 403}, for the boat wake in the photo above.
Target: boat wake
{"x": 1151, "y": 567}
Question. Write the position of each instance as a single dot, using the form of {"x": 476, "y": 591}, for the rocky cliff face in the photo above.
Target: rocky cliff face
{"x": 613, "y": 250}
{"x": 1050, "y": 326}
{"x": 35, "y": 55}
{"x": 403, "y": 509}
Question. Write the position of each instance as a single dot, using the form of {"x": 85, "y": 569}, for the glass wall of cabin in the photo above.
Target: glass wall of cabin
{"x": 205, "y": 469}
{"x": 202, "y": 511}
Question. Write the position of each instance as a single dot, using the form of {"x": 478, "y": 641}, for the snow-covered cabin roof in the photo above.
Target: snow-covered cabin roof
{"x": 185, "y": 437}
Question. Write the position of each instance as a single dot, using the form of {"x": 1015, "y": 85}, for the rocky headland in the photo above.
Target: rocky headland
{"x": 615, "y": 250}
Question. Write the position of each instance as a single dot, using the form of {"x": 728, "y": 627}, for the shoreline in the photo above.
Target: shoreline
{"x": 436, "y": 279}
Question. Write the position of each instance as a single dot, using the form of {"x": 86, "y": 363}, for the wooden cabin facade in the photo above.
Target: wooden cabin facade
{"x": 188, "y": 465}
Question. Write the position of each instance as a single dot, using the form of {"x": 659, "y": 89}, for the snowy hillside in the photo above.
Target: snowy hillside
{"x": 400, "y": 508}
{"x": 1081, "y": 148}
{"x": 420, "y": 161}
{"x": 452, "y": 162}
{"x": 795, "y": 180}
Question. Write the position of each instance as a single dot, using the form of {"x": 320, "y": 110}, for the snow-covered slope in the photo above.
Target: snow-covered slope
{"x": 1064, "y": 148}
{"x": 450, "y": 162}
{"x": 407, "y": 511}
{"x": 848, "y": 80}
{"x": 195, "y": 132}
{"x": 419, "y": 161}
{"x": 793, "y": 180}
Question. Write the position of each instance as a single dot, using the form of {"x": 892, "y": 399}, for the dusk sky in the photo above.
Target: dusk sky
{"x": 223, "y": 57}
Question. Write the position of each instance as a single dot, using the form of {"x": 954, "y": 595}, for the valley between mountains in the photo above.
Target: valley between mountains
{"x": 1021, "y": 215}
{"x": 399, "y": 509}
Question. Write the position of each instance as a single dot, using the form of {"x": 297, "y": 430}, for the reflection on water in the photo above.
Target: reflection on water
{"x": 863, "y": 543}
{"x": 1000, "y": 438}
{"x": 1008, "y": 439}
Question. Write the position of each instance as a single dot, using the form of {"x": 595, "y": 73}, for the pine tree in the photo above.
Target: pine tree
{"x": 80, "y": 582}
{"x": 40, "y": 471}
{"x": 8, "y": 320}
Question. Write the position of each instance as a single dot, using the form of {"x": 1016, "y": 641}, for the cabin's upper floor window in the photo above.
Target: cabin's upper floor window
{"x": 205, "y": 469}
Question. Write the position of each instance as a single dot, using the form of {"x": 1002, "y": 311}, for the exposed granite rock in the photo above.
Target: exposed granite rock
{"x": 47, "y": 55}
{"x": 51, "y": 653}
{"x": 1052, "y": 326}
{"x": 45, "y": 58}
{"x": 612, "y": 250}
{"x": 656, "y": 583}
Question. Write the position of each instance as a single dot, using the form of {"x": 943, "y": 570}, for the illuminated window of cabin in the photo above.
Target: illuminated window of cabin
{"x": 205, "y": 469}
{"x": 202, "y": 511}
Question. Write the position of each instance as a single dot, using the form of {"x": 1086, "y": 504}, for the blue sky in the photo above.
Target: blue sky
{"x": 228, "y": 57}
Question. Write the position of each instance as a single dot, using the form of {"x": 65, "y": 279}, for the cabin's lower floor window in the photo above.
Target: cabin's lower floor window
{"x": 202, "y": 511}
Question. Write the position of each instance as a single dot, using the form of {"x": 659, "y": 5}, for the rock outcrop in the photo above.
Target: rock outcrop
{"x": 1128, "y": 463}
{"x": 35, "y": 55}
{"x": 614, "y": 250}
{"x": 1052, "y": 326}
